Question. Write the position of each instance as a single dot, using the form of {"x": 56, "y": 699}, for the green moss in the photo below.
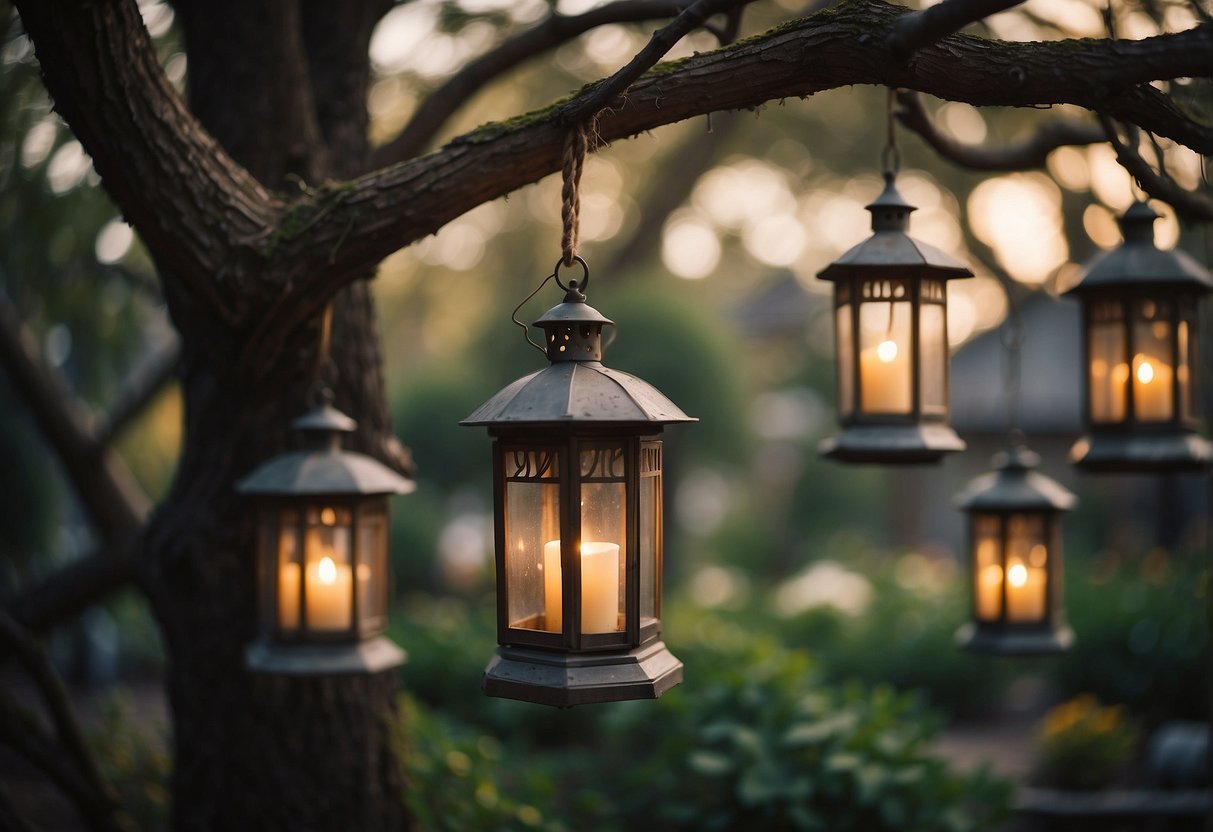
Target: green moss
{"x": 305, "y": 212}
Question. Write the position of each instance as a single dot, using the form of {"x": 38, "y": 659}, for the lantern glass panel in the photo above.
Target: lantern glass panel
{"x": 283, "y": 541}
{"x": 1027, "y": 556}
{"x": 1187, "y": 354}
{"x": 845, "y": 350}
{"x": 987, "y": 567}
{"x": 1109, "y": 370}
{"x": 532, "y": 539}
{"x": 603, "y": 539}
{"x": 328, "y": 583}
{"x": 372, "y": 567}
{"x": 650, "y": 530}
{"x": 885, "y": 355}
{"x": 1153, "y": 365}
{"x": 933, "y": 348}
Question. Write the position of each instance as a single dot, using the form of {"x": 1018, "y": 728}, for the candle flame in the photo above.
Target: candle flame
{"x": 1145, "y": 372}
{"x": 886, "y": 351}
{"x": 1017, "y": 575}
{"x": 327, "y": 571}
{"x": 327, "y": 516}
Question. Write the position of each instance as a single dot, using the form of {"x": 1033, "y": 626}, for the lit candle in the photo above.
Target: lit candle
{"x": 989, "y": 592}
{"x": 329, "y": 588}
{"x": 288, "y": 596}
{"x": 1025, "y": 593}
{"x": 1151, "y": 389}
{"x": 884, "y": 377}
{"x": 599, "y": 587}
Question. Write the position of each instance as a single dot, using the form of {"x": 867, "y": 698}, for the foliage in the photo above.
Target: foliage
{"x": 133, "y": 757}
{"x": 1084, "y": 745}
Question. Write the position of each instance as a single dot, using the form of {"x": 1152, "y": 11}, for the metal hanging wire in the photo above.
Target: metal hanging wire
{"x": 890, "y": 156}
{"x": 324, "y": 371}
{"x": 1012, "y": 343}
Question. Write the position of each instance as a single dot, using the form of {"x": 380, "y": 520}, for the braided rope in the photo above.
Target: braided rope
{"x": 575, "y": 145}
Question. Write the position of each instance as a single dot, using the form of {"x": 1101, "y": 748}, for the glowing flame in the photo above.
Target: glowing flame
{"x": 1145, "y": 372}
{"x": 327, "y": 571}
{"x": 886, "y": 351}
{"x": 1017, "y": 575}
{"x": 327, "y": 516}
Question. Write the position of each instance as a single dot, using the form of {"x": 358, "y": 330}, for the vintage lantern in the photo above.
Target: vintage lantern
{"x": 578, "y": 517}
{"x": 323, "y": 555}
{"x": 890, "y": 319}
{"x": 1140, "y": 322}
{"x": 1015, "y": 555}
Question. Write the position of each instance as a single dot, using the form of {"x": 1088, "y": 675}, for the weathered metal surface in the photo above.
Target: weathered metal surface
{"x": 913, "y": 444}
{"x": 1127, "y": 452}
{"x": 1015, "y": 640}
{"x": 1015, "y": 487}
{"x": 561, "y": 679}
{"x": 369, "y": 656}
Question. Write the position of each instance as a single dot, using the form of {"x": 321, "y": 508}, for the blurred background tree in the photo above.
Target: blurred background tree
{"x": 225, "y": 172}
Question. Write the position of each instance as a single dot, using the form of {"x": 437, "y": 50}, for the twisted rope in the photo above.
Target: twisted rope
{"x": 575, "y": 145}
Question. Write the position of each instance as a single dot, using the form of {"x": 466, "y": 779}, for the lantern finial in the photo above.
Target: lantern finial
{"x": 1137, "y": 223}
{"x": 890, "y": 211}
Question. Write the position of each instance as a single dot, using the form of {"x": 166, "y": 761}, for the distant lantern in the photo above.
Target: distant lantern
{"x": 1015, "y": 556}
{"x": 577, "y": 479}
{"x": 891, "y": 332}
{"x": 1140, "y": 323}
{"x": 323, "y": 555}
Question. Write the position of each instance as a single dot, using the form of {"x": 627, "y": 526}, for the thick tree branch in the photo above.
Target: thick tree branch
{"x": 844, "y": 45}
{"x": 74, "y": 588}
{"x": 197, "y": 211}
{"x": 1026, "y": 154}
{"x": 552, "y": 31}
{"x": 921, "y": 28}
{"x": 1190, "y": 205}
{"x": 111, "y": 497}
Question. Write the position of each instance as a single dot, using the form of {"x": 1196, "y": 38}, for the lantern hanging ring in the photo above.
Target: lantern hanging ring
{"x": 574, "y": 286}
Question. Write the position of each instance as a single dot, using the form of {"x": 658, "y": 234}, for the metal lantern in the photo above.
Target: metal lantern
{"x": 577, "y": 482}
{"x": 1015, "y": 554}
{"x": 323, "y": 555}
{"x": 1140, "y": 323}
{"x": 891, "y": 328}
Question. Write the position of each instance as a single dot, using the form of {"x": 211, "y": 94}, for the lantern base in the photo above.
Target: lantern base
{"x": 915, "y": 444}
{"x": 363, "y": 657}
{"x": 566, "y": 679}
{"x": 1014, "y": 641}
{"x": 1113, "y": 452}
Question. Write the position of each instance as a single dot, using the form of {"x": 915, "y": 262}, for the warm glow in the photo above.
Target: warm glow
{"x": 327, "y": 571}
{"x": 327, "y": 516}
{"x": 1017, "y": 575}
{"x": 1145, "y": 373}
{"x": 886, "y": 351}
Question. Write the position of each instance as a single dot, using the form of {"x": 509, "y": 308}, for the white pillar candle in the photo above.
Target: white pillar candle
{"x": 1025, "y": 593}
{"x": 989, "y": 592}
{"x": 599, "y": 587}
{"x": 329, "y": 595}
{"x": 884, "y": 377}
{"x": 1151, "y": 389}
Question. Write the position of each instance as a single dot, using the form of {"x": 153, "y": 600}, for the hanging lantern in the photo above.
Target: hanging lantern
{"x": 1015, "y": 556}
{"x": 1140, "y": 322}
{"x": 578, "y": 517}
{"x": 323, "y": 555}
{"x": 890, "y": 321}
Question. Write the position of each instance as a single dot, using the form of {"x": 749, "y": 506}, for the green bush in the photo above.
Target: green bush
{"x": 1083, "y": 745}
{"x": 133, "y": 757}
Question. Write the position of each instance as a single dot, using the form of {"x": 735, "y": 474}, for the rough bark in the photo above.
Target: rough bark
{"x": 231, "y": 195}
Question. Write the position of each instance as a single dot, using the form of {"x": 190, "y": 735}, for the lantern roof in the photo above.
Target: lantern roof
{"x": 577, "y": 391}
{"x": 1138, "y": 261}
{"x": 891, "y": 249}
{"x": 325, "y": 468}
{"x": 1015, "y": 486}
{"x": 576, "y": 387}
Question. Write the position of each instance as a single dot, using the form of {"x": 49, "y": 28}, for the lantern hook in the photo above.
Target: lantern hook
{"x": 526, "y": 331}
{"x": 575, "y": 289}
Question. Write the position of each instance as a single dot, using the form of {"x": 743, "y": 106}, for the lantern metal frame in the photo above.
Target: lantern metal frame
{"x": 1114, "y": 290}
{"x": 1015, "y": 490}
{"x": 322, "y": 477}
{"x": 891, "y": 267}
{"x": 541, "y": 424}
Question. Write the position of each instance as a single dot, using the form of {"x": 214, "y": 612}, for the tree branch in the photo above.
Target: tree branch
{"x": 1190, "y": 205}
{"x": 554, "y": 30}
{"x": 73, "y": 589}
{"x": 115, "y": 503}
{"x": 1026, "y": 154}
{"x": 603, "y": 93}
{"x": 197, "y": 211}
{"x": 918, "y": 29}
{"x": 144, "y": 383}
{"x": 95, "y": 798}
